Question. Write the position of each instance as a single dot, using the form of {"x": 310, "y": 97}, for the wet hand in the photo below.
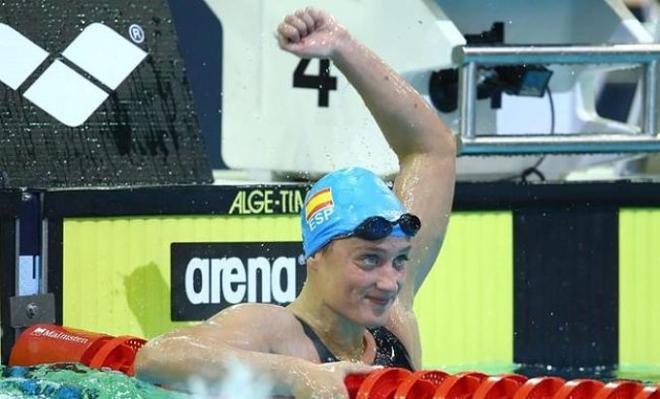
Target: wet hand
{"x": 326, "y": 381}
{"x": 311, "y": 33}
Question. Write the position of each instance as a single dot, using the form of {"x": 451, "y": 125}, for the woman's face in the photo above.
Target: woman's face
{"x": 361, "y": 278}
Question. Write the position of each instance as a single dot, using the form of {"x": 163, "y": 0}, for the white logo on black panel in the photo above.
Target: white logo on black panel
{"x": 208, "y": 277}
{"x": 234, "y": 280}
{"x": 60, "y": 91}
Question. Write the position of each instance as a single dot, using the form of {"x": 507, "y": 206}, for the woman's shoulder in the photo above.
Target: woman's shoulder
{"x": 254, "y": 313}
{"x": 266, "y": 328}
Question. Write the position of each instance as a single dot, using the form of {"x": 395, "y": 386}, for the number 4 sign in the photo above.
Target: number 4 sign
{"x": 323, "y": 82}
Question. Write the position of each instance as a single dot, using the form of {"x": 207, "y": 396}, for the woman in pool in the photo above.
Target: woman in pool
{"x": 367, "y": 255}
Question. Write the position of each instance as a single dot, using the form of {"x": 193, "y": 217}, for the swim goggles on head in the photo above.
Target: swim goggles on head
{"x": 377, "y": 227}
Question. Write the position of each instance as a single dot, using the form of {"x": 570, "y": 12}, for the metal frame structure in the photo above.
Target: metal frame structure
{"x": 471, "y": 57}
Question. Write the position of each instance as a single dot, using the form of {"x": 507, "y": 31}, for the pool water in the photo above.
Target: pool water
{"x": 74, "y": 381}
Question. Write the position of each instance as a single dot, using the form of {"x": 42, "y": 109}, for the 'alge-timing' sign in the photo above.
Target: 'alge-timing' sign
{"x": 267, "y": 201}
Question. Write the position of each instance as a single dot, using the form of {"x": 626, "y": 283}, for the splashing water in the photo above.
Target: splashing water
{"x": 241, "y": 382}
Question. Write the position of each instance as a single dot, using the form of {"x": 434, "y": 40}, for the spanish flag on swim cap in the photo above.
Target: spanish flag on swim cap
{"x": 340, "y": 201}
{"x": 318, "y": 202}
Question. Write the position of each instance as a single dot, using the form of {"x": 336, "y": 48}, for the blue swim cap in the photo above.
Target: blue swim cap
{"x": 340, "y": 201}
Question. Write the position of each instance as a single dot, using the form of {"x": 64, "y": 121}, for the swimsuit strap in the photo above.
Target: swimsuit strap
{"x": 390, "y": 352}
{"x": 324, "y": 353}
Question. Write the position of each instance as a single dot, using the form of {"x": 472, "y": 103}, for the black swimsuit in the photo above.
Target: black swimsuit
{"x": 390, "y": 352}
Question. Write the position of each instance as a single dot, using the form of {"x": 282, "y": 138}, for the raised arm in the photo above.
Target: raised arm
{"x": 423, "y": 144}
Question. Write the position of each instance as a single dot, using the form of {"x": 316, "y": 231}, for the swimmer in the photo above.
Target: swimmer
{"x": 368, "y": 249}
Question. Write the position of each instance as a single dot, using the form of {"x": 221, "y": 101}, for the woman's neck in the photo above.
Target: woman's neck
{"x": 344, "y": 338}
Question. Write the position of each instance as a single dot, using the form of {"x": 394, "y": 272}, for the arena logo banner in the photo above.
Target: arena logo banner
{"x": 209, "y": 277}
